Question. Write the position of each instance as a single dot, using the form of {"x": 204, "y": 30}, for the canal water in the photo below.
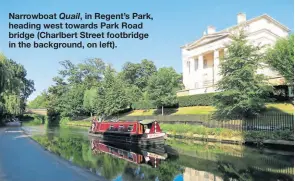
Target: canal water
{"x": 178, "y": 160}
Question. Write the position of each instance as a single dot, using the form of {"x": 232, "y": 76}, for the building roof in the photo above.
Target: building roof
{"x": 266, "y": 16}
{"x": 147, "y": 121}
{"x": 225, "y": 32}
{"x": 207, "y": 39}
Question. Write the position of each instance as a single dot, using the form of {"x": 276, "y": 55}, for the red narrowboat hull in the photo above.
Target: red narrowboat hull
{"x": 137, "y": 133}
{"x": 137, "y": 140}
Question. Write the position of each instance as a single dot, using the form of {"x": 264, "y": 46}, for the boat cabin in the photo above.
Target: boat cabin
{"x": 127, "y": 127}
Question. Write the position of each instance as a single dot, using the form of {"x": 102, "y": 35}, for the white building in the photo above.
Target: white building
{"x": 200, "y": 59}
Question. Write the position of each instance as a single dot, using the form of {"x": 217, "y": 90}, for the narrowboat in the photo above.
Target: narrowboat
{"x": 146, "y": 132}
{"x": 134, "y": 154}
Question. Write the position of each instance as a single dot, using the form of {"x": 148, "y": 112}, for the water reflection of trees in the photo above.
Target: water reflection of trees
{"x": 78, "y": 150}
{"x": 166, "y": 171}
{"x": 249, "y": 164}
{"x": 242, "y": 164}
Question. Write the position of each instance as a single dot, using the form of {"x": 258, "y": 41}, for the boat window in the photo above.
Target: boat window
{"x": 121, "y": 127}
{"x": 149, "y": 126}
{"x": 111, "y": 127}
{"x": 125, "y": 153}
{"x": 130, "y": 157}
{"x": 121, "y": 153}
{"x": 147, "y": 130}
{"x": 114, "y": 150}
{"x": 111, "y": 150}
{"x": 130, "y": 127}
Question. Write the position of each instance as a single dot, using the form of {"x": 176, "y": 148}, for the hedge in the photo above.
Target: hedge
{"x": 196, "y": 100}
{"x": 183, "y": 101}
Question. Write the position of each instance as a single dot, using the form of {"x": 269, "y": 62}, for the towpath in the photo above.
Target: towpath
{"x": 22, "y": 159}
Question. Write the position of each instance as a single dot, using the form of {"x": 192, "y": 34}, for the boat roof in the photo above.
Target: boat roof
{"x": 147, "y": 121}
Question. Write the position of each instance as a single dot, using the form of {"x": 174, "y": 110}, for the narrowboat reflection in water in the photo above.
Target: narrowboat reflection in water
{"x": 145, "y": 132}
{"x": 152, "y": 156}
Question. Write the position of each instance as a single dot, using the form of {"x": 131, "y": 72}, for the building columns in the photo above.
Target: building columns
{"x": 200, "y": 59}
{"x": 216, "y": 65}
{"x": 225, "y": 51}
{"x": 200, "y": 70}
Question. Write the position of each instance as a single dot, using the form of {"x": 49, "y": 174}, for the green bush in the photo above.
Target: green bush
{"x": 34, "y": 120}
{"x": 196, "y": 100}
{"x": 64, "y": 120}
{"x": 53, "y": 117}
{"x": 274, "y": 135}
{"x": 183, "y": 101}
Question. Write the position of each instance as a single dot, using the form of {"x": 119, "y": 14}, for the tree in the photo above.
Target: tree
{"x": 74, "y": 98}
{"x": 138, "y": 73}
{"x": 281, "y": 58}
{"x": 92, "y": 71}
{"x": 18, "y": 84}
{"x": 4, "y": 73}
{"x": 113, "y": 91}
{"x": 90, "y": 96}
{"x": 67, "y": 97}
{"x": 243, "y": 91}
{"x": 41, "y": 101}
{"x": 162, "y": 87}
{"x": 133, "y": 94}
{"x": 15, "y": 88}
{"x": 56, "y": 95}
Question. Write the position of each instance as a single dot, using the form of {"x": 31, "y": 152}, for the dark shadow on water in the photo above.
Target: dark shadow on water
{"x": 27, "y": 118}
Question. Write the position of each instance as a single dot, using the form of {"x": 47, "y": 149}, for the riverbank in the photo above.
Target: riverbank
{"x": 223, "y": 135}
{"x": 275, "y": 127}
{"x": 233, "y": 140}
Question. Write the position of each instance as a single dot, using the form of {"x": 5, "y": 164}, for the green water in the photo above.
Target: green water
{"x": 177, "y": 160}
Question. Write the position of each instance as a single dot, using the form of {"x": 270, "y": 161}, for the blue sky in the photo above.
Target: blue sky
{"x": 175, "y": 24}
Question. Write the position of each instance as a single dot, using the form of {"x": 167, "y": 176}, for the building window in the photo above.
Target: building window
{"x": 196, "y": 63}
{"x": 205, "y": 63}
{"x": 189, "y": 66}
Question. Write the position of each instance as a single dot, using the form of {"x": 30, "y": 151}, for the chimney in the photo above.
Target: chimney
{"x": 210, "y": 29}
{"x": 241, "y": 18}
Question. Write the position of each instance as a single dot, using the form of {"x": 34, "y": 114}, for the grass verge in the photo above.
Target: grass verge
{"x": 201, "y": 110}
{"x": 191, "y": 131}
{"x": 79, "y": 123}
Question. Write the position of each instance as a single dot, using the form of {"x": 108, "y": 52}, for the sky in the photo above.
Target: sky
{"x": 174, "y": 24}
